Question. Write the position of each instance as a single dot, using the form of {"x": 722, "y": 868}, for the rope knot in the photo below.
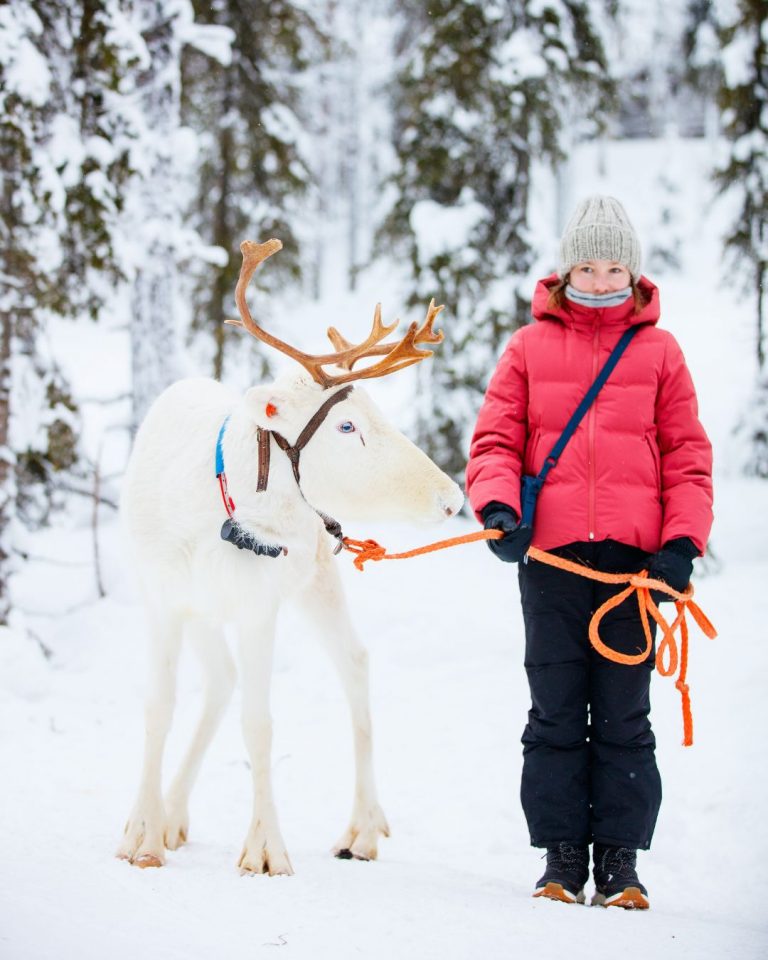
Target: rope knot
{"x": 364, "y": 550}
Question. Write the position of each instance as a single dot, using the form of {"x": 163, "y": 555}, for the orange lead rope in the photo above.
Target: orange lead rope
{"x": 638, "y": 583}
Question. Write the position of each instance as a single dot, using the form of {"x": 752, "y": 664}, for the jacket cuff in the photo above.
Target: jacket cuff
{"x": 495, "y": 505}
{"x": 683, "y": 547}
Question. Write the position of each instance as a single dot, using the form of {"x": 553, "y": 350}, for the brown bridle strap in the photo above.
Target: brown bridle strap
{"x": 262, "y": 439}
{"x": 293, "y": 452}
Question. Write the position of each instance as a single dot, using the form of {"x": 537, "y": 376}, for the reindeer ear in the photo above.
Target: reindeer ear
{"x": 267, "y": 405}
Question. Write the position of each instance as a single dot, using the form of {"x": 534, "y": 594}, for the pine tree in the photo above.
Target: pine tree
{"x": 59, "y": 199}
{"x": 347, "y": 118}
{"x": 251, "y": 169}
{"x": 744, "y": 105}
{"x": 481, "y": 95}
{"x": 702, "y": 71}
{"x": 97, "y": 66}
{"x": 154, "y": 206}
{"x": 743, "y": 101}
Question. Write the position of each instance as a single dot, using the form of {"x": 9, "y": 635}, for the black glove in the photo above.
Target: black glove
{"x": 673, "y": 564}
{"x": 513, "y": 546}
{"x": 234, "y": 533}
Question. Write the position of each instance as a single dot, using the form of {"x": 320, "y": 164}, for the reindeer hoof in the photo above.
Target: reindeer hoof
{"x": 147, "y": 860}
{"x": 248, "y": 870}
{"x": 351, "y": 855}
{"x": 262, "y": 859}
{"x": 360, "y": 840}
{"x": 175, "y": 835}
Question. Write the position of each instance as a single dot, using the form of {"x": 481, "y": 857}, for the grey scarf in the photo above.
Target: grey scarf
{"x": 612, "y": 299}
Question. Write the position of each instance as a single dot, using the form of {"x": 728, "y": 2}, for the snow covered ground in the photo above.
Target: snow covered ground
{"x": 449, "y": 701}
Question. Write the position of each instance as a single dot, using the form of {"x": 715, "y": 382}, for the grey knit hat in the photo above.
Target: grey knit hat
{"x": 599, "y": 230}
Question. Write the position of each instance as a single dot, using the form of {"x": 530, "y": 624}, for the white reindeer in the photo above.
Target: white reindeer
{"x": 342, "y": 459}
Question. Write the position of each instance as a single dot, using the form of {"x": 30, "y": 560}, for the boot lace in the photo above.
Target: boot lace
{"x": 567, "y": 855}
{"x": 618, "y": 862}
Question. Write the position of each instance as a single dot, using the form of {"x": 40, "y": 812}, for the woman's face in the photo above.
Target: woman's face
{"x": 599, "y": 276}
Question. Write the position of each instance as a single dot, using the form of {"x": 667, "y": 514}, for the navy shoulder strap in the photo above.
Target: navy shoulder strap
{"x": 530, "y": 486}
{"x": 586, "y": 403}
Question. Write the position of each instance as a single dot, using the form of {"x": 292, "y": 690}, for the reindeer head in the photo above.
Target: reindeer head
{"x": 359, "y": 467}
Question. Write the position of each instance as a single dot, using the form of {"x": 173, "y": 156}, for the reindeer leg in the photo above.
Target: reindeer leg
{"x": 143, "y": 839}
{"x": 219, "y": 670}
{"x": 324, "y": 604}
{"x": 264, "y": 849}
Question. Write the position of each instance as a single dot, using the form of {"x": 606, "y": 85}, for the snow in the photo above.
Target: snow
{"x": 26, "y": 72}
{"x": 738, "y": 59}
{"x": 440, "y": 230}
{"x": 520, "y": 59}
{"x": 449, "y": 700}
{"x": 212, "y": 40}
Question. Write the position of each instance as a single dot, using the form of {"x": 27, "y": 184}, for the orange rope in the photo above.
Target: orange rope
{"x": 639, "y": 583}
{"x": 366, "y": 550}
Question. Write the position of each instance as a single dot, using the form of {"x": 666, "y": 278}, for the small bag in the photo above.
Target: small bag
{"x": 529, "y": 491}
{"x": 530, "y": 486}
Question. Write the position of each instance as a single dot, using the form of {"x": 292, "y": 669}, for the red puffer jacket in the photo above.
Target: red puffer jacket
{"x": 638, "y": 468}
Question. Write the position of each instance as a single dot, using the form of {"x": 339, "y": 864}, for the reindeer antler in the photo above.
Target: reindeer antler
{"x": 424, "y": 334}
{"x": 396, "y": 354}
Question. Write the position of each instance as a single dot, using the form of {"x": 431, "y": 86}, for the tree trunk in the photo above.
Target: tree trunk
{"x": 7, "y": 485}
{"x": 352, "y": 152}
{"x": 761, "y": 273}
{"x": 221, "y": 229}
{"x": 154, "y": 348}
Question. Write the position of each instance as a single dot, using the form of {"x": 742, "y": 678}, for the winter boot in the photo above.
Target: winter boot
{"x": 616, "y": 882}
{"x": 567, "y": 872}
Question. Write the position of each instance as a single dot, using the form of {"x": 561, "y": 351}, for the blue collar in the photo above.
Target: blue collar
{"x": 219, "y": 451}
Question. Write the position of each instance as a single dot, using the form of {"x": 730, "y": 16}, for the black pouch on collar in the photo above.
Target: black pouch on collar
{"x": 233, "y": 533}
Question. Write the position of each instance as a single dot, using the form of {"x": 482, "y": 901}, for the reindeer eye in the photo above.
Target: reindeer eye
{"x": 346, "y": 427}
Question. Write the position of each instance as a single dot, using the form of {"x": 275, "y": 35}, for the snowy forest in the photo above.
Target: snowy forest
{"x": 401, "y": 151}
{"x": 425, "y": 143}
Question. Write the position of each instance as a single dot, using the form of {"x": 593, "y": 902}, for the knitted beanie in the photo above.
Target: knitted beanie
{"x": 599, "y": 230}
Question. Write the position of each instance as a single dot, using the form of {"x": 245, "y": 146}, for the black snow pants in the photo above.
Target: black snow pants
{"x": 589, "y": 769}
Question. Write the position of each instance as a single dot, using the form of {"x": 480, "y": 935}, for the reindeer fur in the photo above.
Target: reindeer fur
{"x": 193, "y": 582}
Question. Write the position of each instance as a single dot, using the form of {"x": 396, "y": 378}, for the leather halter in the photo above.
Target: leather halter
{"x": 292, "y": 451}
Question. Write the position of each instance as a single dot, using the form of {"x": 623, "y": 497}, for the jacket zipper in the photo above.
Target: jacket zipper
{"x": 591, "y": 436}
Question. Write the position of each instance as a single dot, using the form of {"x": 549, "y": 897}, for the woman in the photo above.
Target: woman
{"x": 632, "y": 490}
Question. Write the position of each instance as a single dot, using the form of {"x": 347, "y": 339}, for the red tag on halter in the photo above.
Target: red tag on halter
{"x": 270, "y": 410}
{"x": 229, "y": 503}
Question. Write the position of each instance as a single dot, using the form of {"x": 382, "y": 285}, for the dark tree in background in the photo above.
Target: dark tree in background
{"x": 481, "y": 93}
{"x": 98, "y": 71}
{"x": 251, "y": 170}
{"x": 701, "y": 67}
{"x": 63, "y": 172}
{"x": 743, "y": 101}
{"x": 153, "y": 207}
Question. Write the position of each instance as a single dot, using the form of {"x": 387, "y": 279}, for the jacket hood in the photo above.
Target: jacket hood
{"x": 573, "y": 314}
